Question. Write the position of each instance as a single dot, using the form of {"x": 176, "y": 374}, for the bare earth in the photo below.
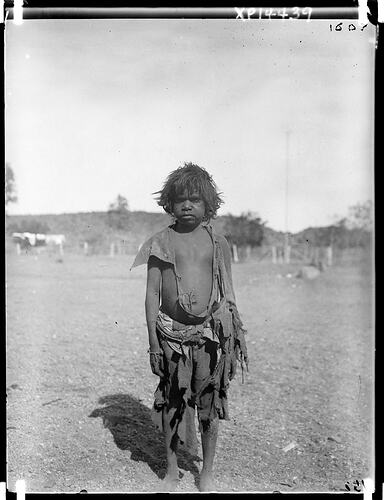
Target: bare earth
{"x": 80, "y": 388}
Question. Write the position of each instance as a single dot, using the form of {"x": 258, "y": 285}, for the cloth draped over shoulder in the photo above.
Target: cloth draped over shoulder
{"x": 224, "y": 320}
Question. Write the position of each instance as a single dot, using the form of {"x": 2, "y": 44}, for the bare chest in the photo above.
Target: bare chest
{"x": 193, "y": 252}
{"x": 194, "y": 269}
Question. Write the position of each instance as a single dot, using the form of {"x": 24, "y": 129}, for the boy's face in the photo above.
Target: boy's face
{"x": 189, "y": 209}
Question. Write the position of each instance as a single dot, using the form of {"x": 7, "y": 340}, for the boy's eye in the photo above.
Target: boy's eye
{"x": 193, "y": 199}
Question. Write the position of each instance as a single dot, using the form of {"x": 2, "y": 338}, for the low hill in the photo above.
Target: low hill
{"x": 95, "y": 228}
{"x": 100, "y": 231}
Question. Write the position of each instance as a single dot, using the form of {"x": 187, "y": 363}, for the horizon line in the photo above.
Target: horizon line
{"x": 160, "y": 213}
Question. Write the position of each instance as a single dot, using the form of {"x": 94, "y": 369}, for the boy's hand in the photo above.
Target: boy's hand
{"x": 157, "y": 363}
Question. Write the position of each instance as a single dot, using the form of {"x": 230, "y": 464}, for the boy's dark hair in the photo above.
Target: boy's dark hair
{"x": 190, "y": 178}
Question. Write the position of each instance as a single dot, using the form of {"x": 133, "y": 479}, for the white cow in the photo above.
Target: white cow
{"x": 38, "y": 240}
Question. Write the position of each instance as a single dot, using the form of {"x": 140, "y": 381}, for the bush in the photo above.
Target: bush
{"x": 246, "y": 229}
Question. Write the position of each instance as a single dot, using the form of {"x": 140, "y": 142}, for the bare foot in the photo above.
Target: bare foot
{"x": 170, "y": 482}
{"x": 206, "y": 482}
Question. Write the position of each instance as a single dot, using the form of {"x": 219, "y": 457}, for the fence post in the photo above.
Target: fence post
{"x": 235, "y": 254}
{"x": 274, "y": 260}
{"x": 85, "y": 247}
{"x": 307, "y": 254}
{"x": 287, "y": 254}
{"x": 280, "y": 256}
{"x": 248, "y": 252}
{"x": 18, "y": 249}
{"x": 112, "y": 250}
{"x": 329, "y": 256}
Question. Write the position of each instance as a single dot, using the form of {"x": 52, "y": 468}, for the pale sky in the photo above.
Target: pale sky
{"x": 97, "y": 108}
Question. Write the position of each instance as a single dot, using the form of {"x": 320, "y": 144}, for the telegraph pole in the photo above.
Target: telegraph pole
{"x": 287, "y": 248}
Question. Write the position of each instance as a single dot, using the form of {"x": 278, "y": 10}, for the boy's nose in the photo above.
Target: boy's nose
{"x": 186, "y": 205}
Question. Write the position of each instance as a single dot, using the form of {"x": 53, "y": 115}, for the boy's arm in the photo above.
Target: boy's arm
{"x": 152, "y": 301}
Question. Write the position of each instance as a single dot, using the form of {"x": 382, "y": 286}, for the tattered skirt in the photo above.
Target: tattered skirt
{"x": 190, "y": 382}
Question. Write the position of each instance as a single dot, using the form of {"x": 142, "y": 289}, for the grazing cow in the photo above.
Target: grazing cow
{"x": 27, "y": 240}
{"x": 30, "y": 239}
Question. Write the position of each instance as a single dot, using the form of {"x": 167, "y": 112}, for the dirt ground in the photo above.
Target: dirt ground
{"x": 79, "y": 386}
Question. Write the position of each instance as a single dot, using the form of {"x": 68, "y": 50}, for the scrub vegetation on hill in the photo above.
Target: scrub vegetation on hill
{"x": 128, "y": 230}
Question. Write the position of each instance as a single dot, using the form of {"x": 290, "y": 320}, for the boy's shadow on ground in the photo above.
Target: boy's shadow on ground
{"x": 132, "y": 429}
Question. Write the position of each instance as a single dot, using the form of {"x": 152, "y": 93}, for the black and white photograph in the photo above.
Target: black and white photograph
{"x": 189, "y": 253}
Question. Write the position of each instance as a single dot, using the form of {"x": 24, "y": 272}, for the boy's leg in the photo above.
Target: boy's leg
{"x": 205, "y": 363}
{"x": 171, "y": 440}
{"x": 208, "y": 441}
{"x": 171, "y": 443}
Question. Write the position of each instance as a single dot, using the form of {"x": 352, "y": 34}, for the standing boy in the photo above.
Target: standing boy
{"x": 195, "y": 332}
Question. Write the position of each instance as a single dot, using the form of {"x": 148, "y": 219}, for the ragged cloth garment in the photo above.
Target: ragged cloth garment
{"x": 222, "y": 326}
{"x": 190, "y": 357}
